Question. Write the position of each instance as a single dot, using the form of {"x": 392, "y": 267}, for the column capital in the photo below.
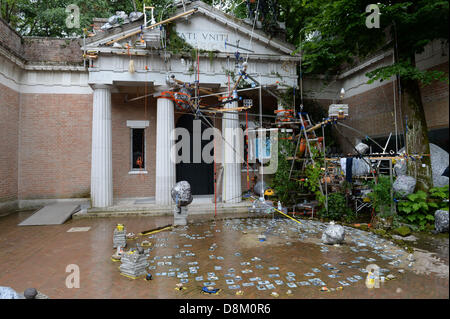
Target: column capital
{"x": 96, "y": 86}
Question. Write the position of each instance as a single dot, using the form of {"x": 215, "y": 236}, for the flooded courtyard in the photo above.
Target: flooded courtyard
{"x": 256, "y": 257}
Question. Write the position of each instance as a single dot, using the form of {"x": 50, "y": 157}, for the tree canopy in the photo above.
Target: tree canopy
{"x": 333, "y": 34}
{"x": 330, "y": 34}
{"x": 48, "y": 17}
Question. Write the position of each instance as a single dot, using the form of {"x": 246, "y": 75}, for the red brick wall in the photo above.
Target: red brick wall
{"x": 124, "y": 184}
{"x": 10, "y": 39}
{"x": 9, "y": 139}
{"x": 372, "y": 112}
{"x": 41, "y": 49}
{"x": 55, "y": 145}
{"x": 435, "y": 101}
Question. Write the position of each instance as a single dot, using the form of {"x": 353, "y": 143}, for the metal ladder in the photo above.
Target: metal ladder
{"x": 308, "y": 145}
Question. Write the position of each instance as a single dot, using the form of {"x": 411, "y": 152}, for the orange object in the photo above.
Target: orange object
{"x": 139, "y": 162}
{"x": 326, "y": 179}
{"x": 302, "y": 147}
{"x": 278, "y": 111}
{"x": 183, "y": 104}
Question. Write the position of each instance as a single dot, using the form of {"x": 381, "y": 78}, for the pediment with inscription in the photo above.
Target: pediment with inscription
{"x": 205, "y": 33}
{"x": 206, "y": 28}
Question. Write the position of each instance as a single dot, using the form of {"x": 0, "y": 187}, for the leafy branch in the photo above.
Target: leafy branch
{"x": 407, "y": 71}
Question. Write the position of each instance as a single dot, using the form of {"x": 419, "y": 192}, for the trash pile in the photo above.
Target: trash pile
{"x": 134, "y": 263}
{"x": 121, "y": 18}
{"x": 29, "y": 293}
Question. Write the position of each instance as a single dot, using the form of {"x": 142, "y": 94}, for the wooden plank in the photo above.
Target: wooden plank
{"x": 53, "y": 214}
{"x": 230, "y": 109}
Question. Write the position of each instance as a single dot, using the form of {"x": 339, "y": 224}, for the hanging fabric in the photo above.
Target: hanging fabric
{"x": 348, "y": 169}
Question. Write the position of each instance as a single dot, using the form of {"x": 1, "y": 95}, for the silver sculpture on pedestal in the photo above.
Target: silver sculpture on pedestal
{"x": 182, "y": 196}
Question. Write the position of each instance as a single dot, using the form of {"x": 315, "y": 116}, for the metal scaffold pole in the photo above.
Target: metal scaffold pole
{"x": 326, "y": 171}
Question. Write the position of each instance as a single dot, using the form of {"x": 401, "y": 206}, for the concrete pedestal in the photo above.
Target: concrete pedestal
{"x": 180, "y": 216}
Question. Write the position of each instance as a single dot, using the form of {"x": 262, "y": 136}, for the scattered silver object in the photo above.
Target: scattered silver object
{"x": 260, "y": 187}
{"x": 362, "y": 148}
{"x": 441, "y": 221}
{"x": 404, "y": 185}
{"x": 333, "y": 234}
{"x": 9, "y": 293}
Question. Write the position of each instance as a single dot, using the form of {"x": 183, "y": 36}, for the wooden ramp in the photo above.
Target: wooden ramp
{"x": 54, "y": 214}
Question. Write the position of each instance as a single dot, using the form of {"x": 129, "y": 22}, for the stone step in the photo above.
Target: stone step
{"x": 154, "y": 210}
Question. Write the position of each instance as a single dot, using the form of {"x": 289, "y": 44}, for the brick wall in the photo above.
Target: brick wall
{"x": 9, "y": 138}
{"x": 55, "y": 145}
{"x": 41, "y": 49}
{"x": 10, "y": 39}
{"x": 372, "y": 112}
{"x": 435, "y": 101}
{"x": 124, "y": 184}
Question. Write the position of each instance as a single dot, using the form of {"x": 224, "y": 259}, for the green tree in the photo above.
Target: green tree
{"x": 335, "y": 35}
{"x": 48, "y": 17}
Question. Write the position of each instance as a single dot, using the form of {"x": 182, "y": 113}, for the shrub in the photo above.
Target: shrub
{"x": 419, "y": 207}
{"x": 381, "y": 194}
{"x": 282, "y": 185}
{"x": 337, "y": 209}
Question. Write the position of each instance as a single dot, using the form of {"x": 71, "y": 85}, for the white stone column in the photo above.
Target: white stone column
{"x": 165, "y": 152}
{"x": 101, "y": 162}
{"x": 232, "y": 155}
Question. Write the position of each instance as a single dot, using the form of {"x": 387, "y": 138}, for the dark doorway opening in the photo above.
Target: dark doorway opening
{"x": 138, "y": 148}
{"x": 201, "y": 174}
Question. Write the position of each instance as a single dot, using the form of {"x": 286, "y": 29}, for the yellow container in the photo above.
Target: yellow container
{"x": 119, "y": 227}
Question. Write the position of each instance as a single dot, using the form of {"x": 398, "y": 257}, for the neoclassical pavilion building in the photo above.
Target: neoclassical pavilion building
{"x": 74, "y": 128}
{"x": 91, "y": 128}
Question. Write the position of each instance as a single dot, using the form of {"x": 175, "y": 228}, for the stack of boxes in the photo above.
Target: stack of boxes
{"x": 133, "y": 264}
{"x": 120, "y": 236}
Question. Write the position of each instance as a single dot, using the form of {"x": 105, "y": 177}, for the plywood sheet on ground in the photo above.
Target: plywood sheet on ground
{"x": 54, "y": 214}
